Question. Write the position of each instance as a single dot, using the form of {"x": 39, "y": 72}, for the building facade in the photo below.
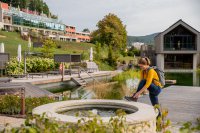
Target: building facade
{"x": 12, "y": 19}
{"x": 178, "y": 48}
{"x": 148, "y": 51}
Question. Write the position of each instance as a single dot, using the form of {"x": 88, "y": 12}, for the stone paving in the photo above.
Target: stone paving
{"x": 13, "y": 122}
{"x": 183, "y": 102}
{"x": 57, "y": 78}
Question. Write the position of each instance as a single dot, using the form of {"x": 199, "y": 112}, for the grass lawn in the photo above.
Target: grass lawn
{"x": 12, "y": 39}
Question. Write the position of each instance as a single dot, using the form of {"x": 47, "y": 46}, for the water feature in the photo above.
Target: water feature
{"x": 68, "y": 89}
{"x": 184, "y": 79}
{"x": 141, "y": 117}
{"x": 103, "y": 111}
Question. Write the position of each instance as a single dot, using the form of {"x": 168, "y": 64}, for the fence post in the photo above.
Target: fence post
{"x": 23, "y": 101}
{"x": 63, "y": 71}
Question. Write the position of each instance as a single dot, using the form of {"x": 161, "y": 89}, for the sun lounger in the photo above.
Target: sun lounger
{"x": 5, "y": 80}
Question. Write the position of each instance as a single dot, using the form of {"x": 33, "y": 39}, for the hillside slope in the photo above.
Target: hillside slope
{"x": 12, "y": 39}
{"x": 148, "y": 39}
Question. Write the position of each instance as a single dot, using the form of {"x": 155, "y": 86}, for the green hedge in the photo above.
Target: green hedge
{"x": 130, "y": 74}
{"x": 10, "y": 104}
{"x": 36, "y": 64}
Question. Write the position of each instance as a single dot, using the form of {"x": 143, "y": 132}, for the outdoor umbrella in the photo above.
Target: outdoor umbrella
{"x": 29, "y": 44}
{"x": 91, "y": 54}
{"x": 2, "y": 50}
{"x": 19, "y": 55}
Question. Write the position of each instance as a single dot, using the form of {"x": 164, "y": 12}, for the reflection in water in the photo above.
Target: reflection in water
{"x": 69, "y": 90}
{"x": 184, "y": 79}
{"x": 82, "y": 93}
{"x": 93, "y": 110}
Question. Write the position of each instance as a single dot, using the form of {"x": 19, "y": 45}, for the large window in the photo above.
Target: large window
{"x": 180, "y": 39}
{"x": 178, "y": 61}
{"x": 36, "y": 23}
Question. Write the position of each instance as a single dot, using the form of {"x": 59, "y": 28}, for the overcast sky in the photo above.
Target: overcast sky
{"x": 142, "y": 17}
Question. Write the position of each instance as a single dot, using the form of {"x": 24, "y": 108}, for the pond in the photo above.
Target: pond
{"x": 102, "y": 111}
{"x": 68, "y": 89}
{"x": 108, "y": 90}
{"x": 184, "y": 79}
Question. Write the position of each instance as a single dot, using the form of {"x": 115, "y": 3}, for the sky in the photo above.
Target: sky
{"x": 141, "y": 17}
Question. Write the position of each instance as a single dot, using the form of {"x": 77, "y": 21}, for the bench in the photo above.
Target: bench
{"x": 37, "y": 74}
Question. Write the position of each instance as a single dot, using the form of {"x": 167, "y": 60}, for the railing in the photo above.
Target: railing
{"x": 82, "y": 69}
{"x": 180, "y": 46}
{"x": 178, "y": 65}
{"x": 7, "y": 21}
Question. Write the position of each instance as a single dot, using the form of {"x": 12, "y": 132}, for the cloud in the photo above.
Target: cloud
{"x": 140, "y": 16}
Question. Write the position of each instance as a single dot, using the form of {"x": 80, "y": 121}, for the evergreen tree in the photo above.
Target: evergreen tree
{"x": 24, "y": 4}
{"x": 45, "y": 9}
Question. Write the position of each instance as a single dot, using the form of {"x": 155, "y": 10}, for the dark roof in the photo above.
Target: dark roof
{"x": 180, "y": 20}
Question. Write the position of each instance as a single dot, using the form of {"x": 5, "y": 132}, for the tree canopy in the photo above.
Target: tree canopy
{"x": 86, "y": 30}
{"x": 111, "y": 31}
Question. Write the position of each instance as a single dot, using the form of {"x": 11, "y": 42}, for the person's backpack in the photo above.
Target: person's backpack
{"x": 161, "y": 74}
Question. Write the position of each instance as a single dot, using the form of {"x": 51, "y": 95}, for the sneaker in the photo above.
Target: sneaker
{"x": 130, "y": 99}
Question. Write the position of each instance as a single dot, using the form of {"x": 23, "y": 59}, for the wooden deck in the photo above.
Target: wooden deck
{"x": 183, "y": 102}
{"x": 30, "y": 90}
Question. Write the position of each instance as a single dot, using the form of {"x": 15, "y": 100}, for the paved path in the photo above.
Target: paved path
{"x": 57, "y": 78}
{"x": 14, "y": 122}
{"x": 183, "y": 102}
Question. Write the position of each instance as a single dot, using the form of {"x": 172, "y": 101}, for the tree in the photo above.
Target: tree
{"x": 133, "y": 51}
{"x": 24, "y": 4}
{"x": 111, "y": 31}
{"x": 98, "y": 51}
{"x": 86, "y": 30}
{"x": 45, "y": 9}
{"x": 48, "y": 47}
{"x": 112, "y": 57}
{"x": 32, "y": 5}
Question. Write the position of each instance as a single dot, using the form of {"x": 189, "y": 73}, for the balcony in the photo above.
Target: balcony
{"x": 179, "y": 46}
{"x": 178, "y": 65}
{"x": 7, "y": 21}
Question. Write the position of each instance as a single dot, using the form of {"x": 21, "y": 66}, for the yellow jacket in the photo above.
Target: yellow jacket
{"x": 150, "y": 77}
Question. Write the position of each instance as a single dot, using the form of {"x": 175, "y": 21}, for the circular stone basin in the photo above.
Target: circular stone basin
{"x": 140, "y": 116}
{"x": 94, "y": 110}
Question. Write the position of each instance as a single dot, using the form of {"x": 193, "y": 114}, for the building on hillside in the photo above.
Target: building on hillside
{"x": 70, "y": 33}
{"x": 12, "y": 19}
{"x": 73, "y": 35}
{"x": 148, "y": 51}
{"x": 83, "y": 37}
{"x": 178, "y": 48}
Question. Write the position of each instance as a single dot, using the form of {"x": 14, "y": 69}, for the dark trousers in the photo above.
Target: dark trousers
{"x": 154, "y": 91}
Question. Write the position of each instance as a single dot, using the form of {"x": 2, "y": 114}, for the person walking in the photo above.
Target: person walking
{"x": 149, "y": 80}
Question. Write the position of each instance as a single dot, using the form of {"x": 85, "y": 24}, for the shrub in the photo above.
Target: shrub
{"x": 190, "y": 127}
{"x": 35, "y": 64}
{"x": 41, "y": 124}
{"x": 122, "y": 77}
{"x": 10, "y": 104}
{"x": 48, "y": 48}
